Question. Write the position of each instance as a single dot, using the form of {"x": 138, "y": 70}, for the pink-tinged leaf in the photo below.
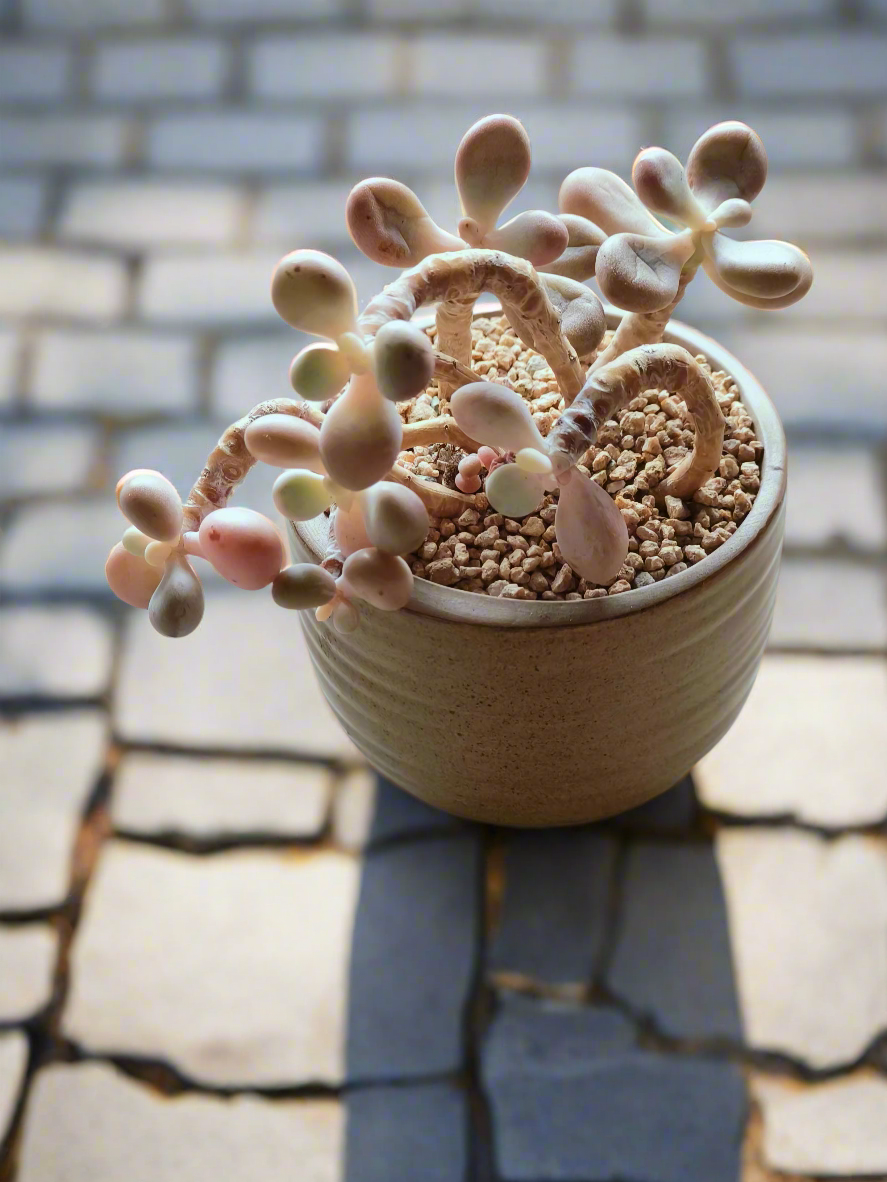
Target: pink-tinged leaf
{"x": 350, "y": 528}
{"x": 243, "y": 546}
{"x": 606, "y": 200}
{"x": 590, "y": 530}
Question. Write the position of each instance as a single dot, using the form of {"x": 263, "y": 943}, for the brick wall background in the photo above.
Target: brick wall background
{"x": 156, "y": 158}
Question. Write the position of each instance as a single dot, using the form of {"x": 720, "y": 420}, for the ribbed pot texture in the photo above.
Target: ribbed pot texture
{"x": 535, "y": 714}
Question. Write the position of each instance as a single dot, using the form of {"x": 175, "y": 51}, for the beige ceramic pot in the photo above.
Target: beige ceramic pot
{"x": 531, "y": 713}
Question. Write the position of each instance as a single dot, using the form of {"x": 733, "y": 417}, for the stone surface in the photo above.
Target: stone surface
{"x": 858, "y": 516}
{"x": 122, "y": 374}
{"x": 803, "y": 367}
{"x": 148, "y": 213}
{"x": 13, "y": 1061}
{"x": 9, "y": 353}
{"x": 816, "y": 63}
{"x": 83, "y": 14}
{"x": 169, "y": 693}
{"x": 39, "y": 279}
{"x": 236, "y": 972}
{"x": 249, "y": 369}
{"x": 81, "y": 141}
{"x": 354, "y": 804}
{"x": 413, "y": 959}
{"x": 394, "y": 1133}
{"x": 672, "y": 957}
{"x": 51, "y": 763}
{"x": 219, "y": 798}
{"x": 838, "y": 1127}
{"x": 314, "y": 209}
{"x": 42, "y": 459}
{"x": 813, "y": 726}
{"x": 317, "y": 67}
{"x": 675, "y": 811}
{"x": 55, "y": 652}
{"x": 237, "y": 141}
{"x": 639, "y": 67}
{"x": 807, "y": 922}
{"x": 573, "y": 1098}
{"x": 60, "y": 546}
{"x": 34, "y": 73}
{"x": 86, "y": 1120}
{"x": 225, "y": 288}
{"x": 27, "y": 961}
{"x": 553, "y": 918}
{"x": 398, "y": 815}
{"x": 830, "y": 604}
{"x": 171, "y": 68}
{"x": 22, "y": 203}
{"x": 472, "y": 64}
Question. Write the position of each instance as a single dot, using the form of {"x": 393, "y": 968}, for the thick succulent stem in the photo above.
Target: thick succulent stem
{"x": 230, "y": 461}
{"x": 333, "y": 559}
{"x": 453, "y": 319}
{"x": 644, "y": 328}
{"x": 656, "y": 367}
{"x": 454, "y": 373}
{"x": 459, "y": 278}
{"x": 443, "y": 429}
{"x": 437, "y": 499}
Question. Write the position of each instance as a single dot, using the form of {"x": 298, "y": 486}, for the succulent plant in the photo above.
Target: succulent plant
{"x": 338, "y": 442}
{"x": 644, "y": 267}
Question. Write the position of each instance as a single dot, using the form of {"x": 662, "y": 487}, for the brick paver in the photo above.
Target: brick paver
{"x": 496, "y": 1007}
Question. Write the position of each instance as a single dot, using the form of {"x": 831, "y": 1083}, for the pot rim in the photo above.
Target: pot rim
{"x": 449, "y": 603}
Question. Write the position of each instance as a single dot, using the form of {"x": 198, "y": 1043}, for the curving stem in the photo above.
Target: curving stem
{"x": 646, "y": 328}
{"x": 657, "y": 367}
{"x": 230, "y": 460}
{"x": 456, "y": 280}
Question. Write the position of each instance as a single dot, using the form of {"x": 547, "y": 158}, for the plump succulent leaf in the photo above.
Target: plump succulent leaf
{"x": 303, "y": 585}
{"x": 242, "y": 545}
{"x": 319, "y": 371}
{"x": 361, "y": 435}
{"x": 766, "y": 269}
{"x": 496, "y": 415}
{"x": 313, "y": 292}
{"x": 176, "y": 607}
{"x": 513, "y": 491}
{"x": 766, "y": 305}
{"x": 130, "y": 577}
{"x": 149, "y": 502}
{"x": 606, "y": 200}
{"x": 300, "y": 495}
{"x": 537, "y": 236}
{"x": 395, "y": 519}
{"x": 582, "y": 314}
{"x": 641, "y": 273}
{"x": 728, "y": 160}
{"x": 390, "y": 224}
{"x": 492, "y": 166}
{"x": 284, "y": 441}
{"x": 660, "y": 182}
{"x": 380, "y": 579}
{"x": 584, "y": 239}
{"x": 591, "y": 531}
{"x": 404, "y": 360}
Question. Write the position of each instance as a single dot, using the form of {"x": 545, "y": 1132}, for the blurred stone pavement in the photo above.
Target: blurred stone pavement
{"x": 226, "y": 952}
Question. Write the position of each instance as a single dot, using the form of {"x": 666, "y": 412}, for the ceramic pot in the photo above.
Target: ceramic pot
{"x": 530, "y": 713}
